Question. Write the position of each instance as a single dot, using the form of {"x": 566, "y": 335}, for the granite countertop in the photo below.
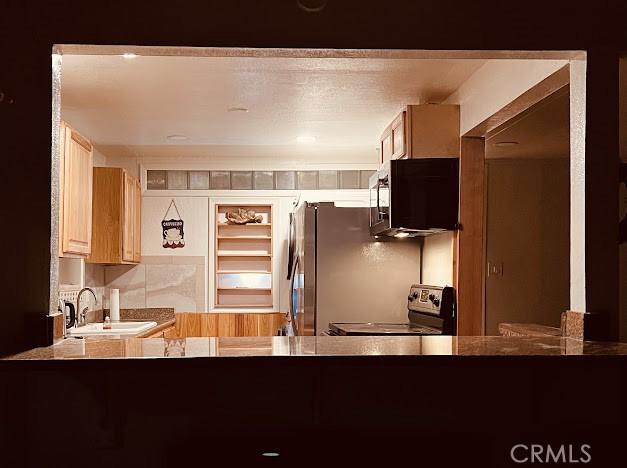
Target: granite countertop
{"x": 528, "y": 329}
{"x": 162, "y": 324}
{"x": 164, "y": 317}
{"x": 320, "y": 346}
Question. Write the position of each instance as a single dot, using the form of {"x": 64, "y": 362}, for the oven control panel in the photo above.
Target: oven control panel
{"x": 424, "y": 298}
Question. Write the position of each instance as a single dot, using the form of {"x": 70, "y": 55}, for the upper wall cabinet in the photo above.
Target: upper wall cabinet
{"x": 422, "y": 131}
{"x": 116, "y": 234}
{"x": 75, "y": 193}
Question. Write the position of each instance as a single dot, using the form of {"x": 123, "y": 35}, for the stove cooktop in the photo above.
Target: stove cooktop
{"x": 373, "y": 329}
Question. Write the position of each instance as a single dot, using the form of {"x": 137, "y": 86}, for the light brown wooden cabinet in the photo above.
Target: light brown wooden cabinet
{"x": 116, "y": 233}
{"x": 386, "y": 145}
{"x": 75, "y": 193}
{"x": 223, "y": 324}
{"x": 422, "y": 131}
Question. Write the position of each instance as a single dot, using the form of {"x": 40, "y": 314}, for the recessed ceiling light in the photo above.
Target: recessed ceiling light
{"x": 401, "y": 234}
{"x": 270, "y": 454}
{"x": 306, "y": 139}
{"x": 237, "y": 109}
{"x": 129, "y": 55}
{"x": 502, "y": 144}
{"x": 177, "y": 138}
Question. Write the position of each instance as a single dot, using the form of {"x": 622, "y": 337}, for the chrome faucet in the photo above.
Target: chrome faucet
{"x": 81, "y": 316}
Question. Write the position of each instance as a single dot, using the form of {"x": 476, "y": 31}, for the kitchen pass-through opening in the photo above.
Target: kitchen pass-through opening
{"x": 224, "y": 144}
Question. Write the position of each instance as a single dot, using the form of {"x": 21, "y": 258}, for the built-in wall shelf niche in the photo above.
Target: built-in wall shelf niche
{"x": 243, "y": 258}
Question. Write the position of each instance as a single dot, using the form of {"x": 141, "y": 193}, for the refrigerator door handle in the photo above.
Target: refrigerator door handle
{"x": 291, "y": 247}
{"x": 292, "y": 317}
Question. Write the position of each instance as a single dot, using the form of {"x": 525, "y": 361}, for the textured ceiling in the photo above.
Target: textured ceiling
{"x": 340, "y": 101}
{"x": 541, "y": 132}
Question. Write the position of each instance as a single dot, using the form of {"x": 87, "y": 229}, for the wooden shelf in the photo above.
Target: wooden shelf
{"x": 245, "y": 237}
{"x": 244, "y": 255}
{"x": 247, "y": 306}
{"x": 242, "y": 225}
{"x": 236, "y": 272}
{"x": 247, "y": 248}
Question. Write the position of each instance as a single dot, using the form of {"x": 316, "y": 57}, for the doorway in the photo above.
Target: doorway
{"x": 528, "y": 217}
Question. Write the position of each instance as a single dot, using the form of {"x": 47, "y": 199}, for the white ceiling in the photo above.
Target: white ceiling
{"x": 343, "y": 102}
{"x": 542, "y": 132}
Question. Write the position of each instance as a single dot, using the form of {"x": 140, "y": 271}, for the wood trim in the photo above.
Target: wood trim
{"x": 387, "y": 134}
{"x": 137, "y": 222}
{"x": 529, "y": 98}
{"x": 399, "y": 123}
{"x": 80, "y": 139}
{"x": 524, "y": 114}
{"x": 469, "y": 256}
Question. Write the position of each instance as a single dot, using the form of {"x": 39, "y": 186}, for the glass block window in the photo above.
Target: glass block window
{"x": 257, "y": 180}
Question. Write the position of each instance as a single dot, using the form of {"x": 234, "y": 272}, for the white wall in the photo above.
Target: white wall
{"x": 100, "y": 159}
{"x": 437, "y": 259}
{"x": 189, "y": 157}
{"x": 193, "y": 211}
{"x": 578, "y": 186}
{"x": 495, "y": 85}
{"x": 527, "y": 234}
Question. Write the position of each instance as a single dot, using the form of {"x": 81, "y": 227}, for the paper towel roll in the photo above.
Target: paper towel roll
{"x": 114, "y": 305}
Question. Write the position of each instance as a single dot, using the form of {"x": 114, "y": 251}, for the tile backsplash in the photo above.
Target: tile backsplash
{"x": 158, "y": 281}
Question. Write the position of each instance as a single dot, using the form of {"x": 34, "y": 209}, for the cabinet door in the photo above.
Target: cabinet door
{"x": 137, "y": 222}
{"x": 76, "y": 194}
{"x": 128, "y": 219}
{"x": 399, "y": 148}
{"x": 386, "y": 145}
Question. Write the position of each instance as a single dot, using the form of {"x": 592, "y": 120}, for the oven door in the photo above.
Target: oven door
{"x": 380, "y": 201}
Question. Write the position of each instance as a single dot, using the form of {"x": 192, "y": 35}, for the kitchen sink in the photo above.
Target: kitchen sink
{"x": 117, "y": 328}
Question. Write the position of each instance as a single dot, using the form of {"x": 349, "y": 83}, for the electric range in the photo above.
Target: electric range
{"x": 431, "y": 310}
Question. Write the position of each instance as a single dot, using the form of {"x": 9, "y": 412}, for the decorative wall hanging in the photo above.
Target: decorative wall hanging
{"x": 172, "y": 230}
{"x": 243, "y": 216}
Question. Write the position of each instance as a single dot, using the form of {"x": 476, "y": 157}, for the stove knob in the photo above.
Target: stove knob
{"x": 436, "y": 302}
{"x": 415, "y": 294}
{"x": 431, "y": 297}
{"x": 410, "y": 298}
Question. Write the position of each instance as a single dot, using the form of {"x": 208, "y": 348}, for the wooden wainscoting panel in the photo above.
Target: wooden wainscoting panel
{"x": 246, "y": 325}
{"x": 193, "y": 326}
{"x": 266, "y": 325}
{"x": 226, "y": 324}
{"x": 170, "y": 332}
{"x": 180, "y": 323}
{"x": 201, "y": 324}
{"x": 209, "y": 324}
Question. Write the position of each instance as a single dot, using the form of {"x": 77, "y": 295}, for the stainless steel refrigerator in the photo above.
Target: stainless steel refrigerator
{"x": 339, "y": 273}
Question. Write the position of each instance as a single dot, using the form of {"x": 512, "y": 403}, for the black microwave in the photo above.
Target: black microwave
{"x": 414, "y": 197}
